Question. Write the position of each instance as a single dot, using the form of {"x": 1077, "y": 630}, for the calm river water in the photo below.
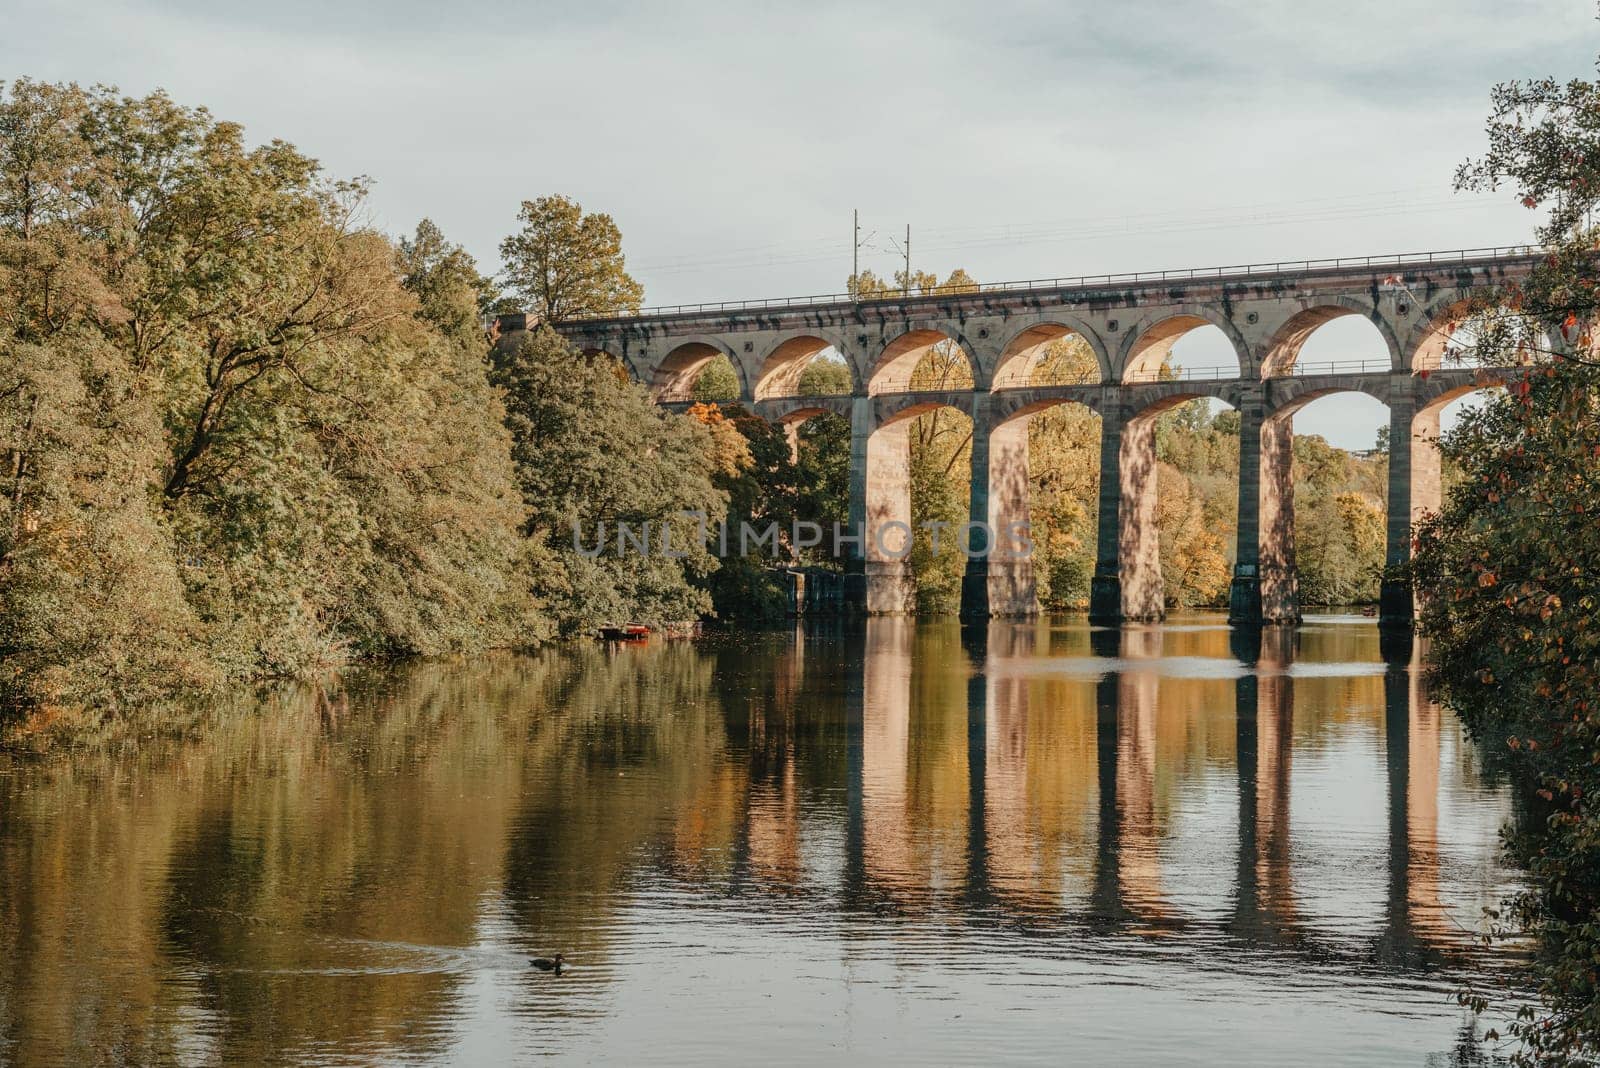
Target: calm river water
{"x": 897, "y": 843}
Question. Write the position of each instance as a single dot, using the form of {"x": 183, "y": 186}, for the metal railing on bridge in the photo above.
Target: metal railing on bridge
{"x": 1193, "y": 274}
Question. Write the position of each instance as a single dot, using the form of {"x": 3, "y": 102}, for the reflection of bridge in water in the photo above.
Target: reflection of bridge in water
{"x": 1130, "y": 324}
{"x": 1035, "y": 798}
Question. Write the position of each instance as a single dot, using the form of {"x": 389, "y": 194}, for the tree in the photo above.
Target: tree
{"x": 450, "y": 292}
{"x": 716, "y": 383}
{"x": 235, "y": 443}
{"x": 592, "y": 451}
{"x": 1505, "y": 572}
{"x": 565, "y": 264}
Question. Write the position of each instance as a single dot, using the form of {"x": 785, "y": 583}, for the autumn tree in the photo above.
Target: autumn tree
{"x": 566, "y": 264}
{"x": 1506, "y": 572}
{"x": 593, "y": 451}
{"x": 236, "y": 444}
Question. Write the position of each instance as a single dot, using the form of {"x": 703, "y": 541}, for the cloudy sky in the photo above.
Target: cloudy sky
{"x": 731, "y": 141}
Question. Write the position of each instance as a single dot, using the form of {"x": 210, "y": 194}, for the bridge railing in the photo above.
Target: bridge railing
{"x": 1399, "y": 261}
{"x": 1340, "y": 367}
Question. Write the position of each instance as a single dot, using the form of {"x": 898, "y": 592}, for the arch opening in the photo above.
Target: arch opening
{"x": 676, "y": 376}
{"x": 921, "y": 360}
{"x": 1327, "y": 340}
{"x": 1323, "y": 503}
{"x": 1182, "y": 347}
{"x": 1049, "y": 354}
{"x": 805, "y": 366}
{"x": 1431, "y": 475}
{"x": 1178, "y": 467}
{"x": 819, "y": 448}
{"x": 918, "y": 497}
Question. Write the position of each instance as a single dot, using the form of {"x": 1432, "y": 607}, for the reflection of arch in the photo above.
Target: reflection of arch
{"x": 1147, "y": 346}
{"x": 1023, "y": 349}
{"x": 891, "y": 372}
{"x": 675, "y": 375}
{"x": 1278, "y": 358}
{"x": 783, "y": 362}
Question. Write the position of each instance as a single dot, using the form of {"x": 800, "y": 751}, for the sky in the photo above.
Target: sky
{"x": 731, "y": 141}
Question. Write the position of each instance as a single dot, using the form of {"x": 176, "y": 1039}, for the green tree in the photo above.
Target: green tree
{"x": 564, "y": 264}
{"x": 1506, "y": 572}
{"x": 716, "y": 383}
{"x": 305, "y": 468}
{"x": 592, "y": 451}
{"x": 451, "y": 293}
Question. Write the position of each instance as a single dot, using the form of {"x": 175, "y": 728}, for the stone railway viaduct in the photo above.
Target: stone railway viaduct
{"x": 1130, "y": 323}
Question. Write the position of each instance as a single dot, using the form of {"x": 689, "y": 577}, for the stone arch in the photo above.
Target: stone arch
{"x": 1293, "y": 394}
{"x": 790, "y": 418}
{"x": 1150, "y": 341}
{"x": 887, "y": 530}
{"x": 1021, "y": 349}
{"x": 891, "y": 371}
{"x": 782, "y": 410}
{"x": 674, "y": 376}
{"x": 1137, "y": 536}
{"x": 779, "y": 365}
{"x": 1276, "y": 522}
{"x": 1439, "y": 328}
{"x": 1281, "y": 352}
{"x": 1432, "y": 397}
{"x": 1003, "y": 468}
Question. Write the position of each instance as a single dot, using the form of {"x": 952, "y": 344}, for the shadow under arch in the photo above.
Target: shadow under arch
{"x": 674, "y": 377}
{"x": 1282, "y": 352}
{"x": 1148, "y": 345}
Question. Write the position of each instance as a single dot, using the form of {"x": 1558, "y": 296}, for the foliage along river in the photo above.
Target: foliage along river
{"x": 893, "y": 842}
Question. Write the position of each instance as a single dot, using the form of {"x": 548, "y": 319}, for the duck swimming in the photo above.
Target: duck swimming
{"x": 548, "y": 964}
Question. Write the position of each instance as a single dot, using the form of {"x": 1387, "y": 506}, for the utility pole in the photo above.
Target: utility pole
{"x": 855, "y": 254}
{"x": 908, "y": 259}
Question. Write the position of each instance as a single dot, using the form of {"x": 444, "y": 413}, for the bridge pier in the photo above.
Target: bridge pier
{"x": 1414, "y": 491}
{"x": 1105, "y": 586}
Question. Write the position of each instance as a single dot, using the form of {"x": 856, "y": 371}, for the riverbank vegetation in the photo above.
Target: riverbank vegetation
{"x": 1507, "y": 570}
{"x": 242, "y": 434}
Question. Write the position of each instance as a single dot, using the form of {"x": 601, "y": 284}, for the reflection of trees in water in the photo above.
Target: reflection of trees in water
{"x": 300, "y": 836}
{"x": 154, "y": 881}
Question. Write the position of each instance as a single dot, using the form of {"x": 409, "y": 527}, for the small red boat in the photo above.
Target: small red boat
{"x": 628, "y": 632}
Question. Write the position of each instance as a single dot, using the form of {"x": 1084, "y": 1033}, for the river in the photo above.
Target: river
{"x": 898, "y": 842}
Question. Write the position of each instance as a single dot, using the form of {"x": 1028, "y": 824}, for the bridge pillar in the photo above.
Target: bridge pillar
{"x": 1105, "y": 587}
{"x": 1280, "y": 586}
{"x": 1414, "y": 490}
{"x": 998, "y": 580}
{"x": 889, "y": 588}
{"x": 1244, "y": 593}
{"x": 855, "y": 568}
